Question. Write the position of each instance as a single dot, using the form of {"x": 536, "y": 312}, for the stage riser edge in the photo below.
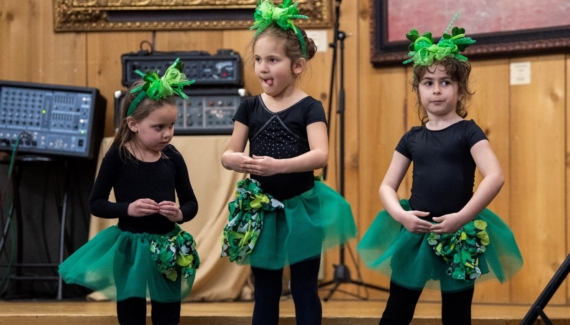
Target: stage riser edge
{"x": 213, "y": 320}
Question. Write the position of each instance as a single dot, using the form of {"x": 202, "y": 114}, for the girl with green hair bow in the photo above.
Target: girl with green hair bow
{"x": 443, "y": 237}
{"x": 282, "y": 217}
{"x": 147, "y": 254}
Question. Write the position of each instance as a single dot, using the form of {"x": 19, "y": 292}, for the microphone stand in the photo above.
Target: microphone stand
{"x": 341, "y": 271}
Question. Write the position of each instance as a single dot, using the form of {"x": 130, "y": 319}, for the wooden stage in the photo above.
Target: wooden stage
{"x": 335, "y": 312}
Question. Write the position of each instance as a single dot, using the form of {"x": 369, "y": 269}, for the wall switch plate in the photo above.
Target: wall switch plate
{"x": 520, "y": 73}
{"x": 319, "y": 36}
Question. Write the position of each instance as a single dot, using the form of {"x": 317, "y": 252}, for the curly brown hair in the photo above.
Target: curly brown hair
{"x": 459, "y": 72}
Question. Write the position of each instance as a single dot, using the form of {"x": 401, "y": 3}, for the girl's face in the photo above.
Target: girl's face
{"x": 156, "y": 130}
{"x": 438, "y": 93}
{"x": 274, "y": 69}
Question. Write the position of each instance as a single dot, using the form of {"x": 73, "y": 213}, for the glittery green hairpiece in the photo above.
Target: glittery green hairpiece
{"x": 157, "y": 88}
{"x": 423, "y": 50}
{"x": 266, "y": 14}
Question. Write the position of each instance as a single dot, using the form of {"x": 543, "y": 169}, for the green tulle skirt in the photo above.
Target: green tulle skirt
{"x": 119, "y": 264}
{"x": 309, "y": 224}
{"x": 410, "y": 261}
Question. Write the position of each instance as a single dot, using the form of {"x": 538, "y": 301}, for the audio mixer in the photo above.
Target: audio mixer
{"x": 55, "y": 119}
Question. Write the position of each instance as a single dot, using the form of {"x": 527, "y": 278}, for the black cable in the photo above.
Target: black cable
{"x": 10, "y": 229}
{"x": 149, "y": 44}
{"x": 2, "y": 199}
{"x": 44, "y": 214}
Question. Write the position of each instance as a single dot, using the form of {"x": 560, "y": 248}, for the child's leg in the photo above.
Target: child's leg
{"x": 456, "y": 307}
{"x": 400, "y": 306}
{"x": 131, "y": 311}
{"x": 165, "y": 313}
{"x": 266, "y": 292}
{"x": 305, "y": 291}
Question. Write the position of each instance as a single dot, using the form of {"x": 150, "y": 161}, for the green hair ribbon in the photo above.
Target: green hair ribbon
{"x": 266, "y": 14}
{"x": 157, "y": 88}
{"x": 423, "y": 51}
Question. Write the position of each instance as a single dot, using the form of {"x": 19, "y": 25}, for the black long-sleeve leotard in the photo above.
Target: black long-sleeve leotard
{"x": 131, "y": 180}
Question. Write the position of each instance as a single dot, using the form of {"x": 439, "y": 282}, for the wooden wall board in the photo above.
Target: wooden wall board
{"x": 28, "y": 53}
{"x": 537, "y": 176}
{"x": 567, "y": 192}
{"x": 381, "y": 114}
{"x": 489, "y": 108}
{"x": 104, "y": 65}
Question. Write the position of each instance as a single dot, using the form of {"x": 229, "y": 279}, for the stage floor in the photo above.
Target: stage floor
{"x": 335, "y": 312}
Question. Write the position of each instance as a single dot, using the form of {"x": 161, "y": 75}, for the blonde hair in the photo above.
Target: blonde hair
{"x": 459, "y": 72}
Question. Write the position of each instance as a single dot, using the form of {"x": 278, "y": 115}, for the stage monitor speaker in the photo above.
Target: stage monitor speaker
{"x": 205, "y": 112}
{"x": 223, "y": 69}
{"x": 59, "y": 120}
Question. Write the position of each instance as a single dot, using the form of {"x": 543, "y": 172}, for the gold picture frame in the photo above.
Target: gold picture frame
{"x": 140, "y": 15}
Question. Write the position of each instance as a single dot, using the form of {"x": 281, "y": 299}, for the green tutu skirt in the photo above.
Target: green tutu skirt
{"x": 308, "y": 224}
{"x": 410, "y": 260}
{"x": 120, "y": 264}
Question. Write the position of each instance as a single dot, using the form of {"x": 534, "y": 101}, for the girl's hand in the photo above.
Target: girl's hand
{"x": 447, "y": 224}
{"x": 170, "y": 210}
{"x": 412, "y": 221}
{"x": 261, "y": 165}
{"x": 142, "y": 207}
{"x": 235, "y": 161}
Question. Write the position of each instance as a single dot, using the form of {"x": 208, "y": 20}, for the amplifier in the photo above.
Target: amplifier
{"x": 61, "y": 120}
{"x": 205, "y": 112}
{"x": 224, "y": 68}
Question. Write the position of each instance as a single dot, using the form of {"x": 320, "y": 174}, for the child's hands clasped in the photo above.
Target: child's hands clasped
{"x": 146, "y": 207}
{"x": 142, "y": 207}
{"x": 170, "y": 210}
{"x": 447, "y": 224}
{"x": 260, "y": 165}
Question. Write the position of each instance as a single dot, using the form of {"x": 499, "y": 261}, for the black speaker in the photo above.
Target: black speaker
{"x": 224, "y": 68}
{"x": 205, "y": 112}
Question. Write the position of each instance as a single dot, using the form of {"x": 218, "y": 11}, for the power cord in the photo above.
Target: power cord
{"x": 9, "y": 225}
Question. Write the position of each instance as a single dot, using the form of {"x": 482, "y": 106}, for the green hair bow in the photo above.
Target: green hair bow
{"x": 266, "y": 13}
{"x": 155, "y": 87}
{"x": 423, "y": 50}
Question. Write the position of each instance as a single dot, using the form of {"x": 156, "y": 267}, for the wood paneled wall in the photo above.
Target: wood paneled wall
{"x": 527, "y": 125}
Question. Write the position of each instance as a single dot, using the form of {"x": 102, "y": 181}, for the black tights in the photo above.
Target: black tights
{"x": 304, "y": 288}
{"x": 455, "y": 307}
{"x": 132, "y": 311}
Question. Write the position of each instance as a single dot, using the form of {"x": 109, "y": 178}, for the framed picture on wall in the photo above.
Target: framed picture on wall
{"x": 137, "y": 15}
{"x": 499, "y": 27}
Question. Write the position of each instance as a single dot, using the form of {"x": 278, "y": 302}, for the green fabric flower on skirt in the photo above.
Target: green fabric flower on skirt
{"x": 245, "y": 221}
{"x": 175, "y": 254}
{"x": 461, "y": 250}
